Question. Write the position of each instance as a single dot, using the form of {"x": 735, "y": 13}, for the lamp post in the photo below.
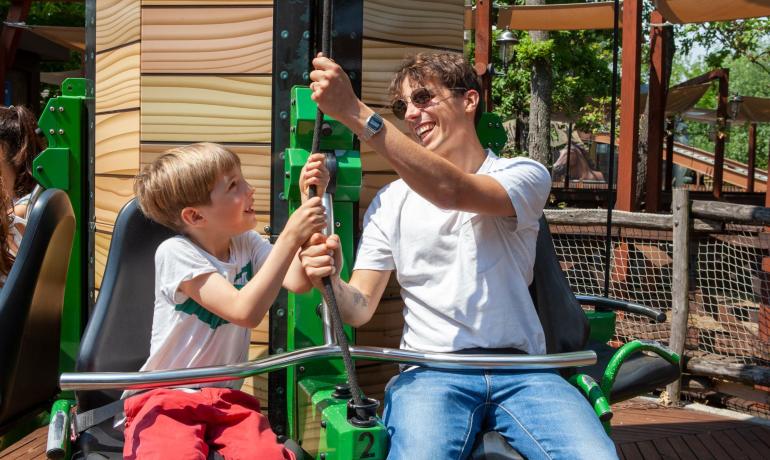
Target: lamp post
{"x": 735, "y": 106}
{"x": 506, "y": 44}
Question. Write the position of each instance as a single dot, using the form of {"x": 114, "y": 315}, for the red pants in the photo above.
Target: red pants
{"x": 175, "y": 424}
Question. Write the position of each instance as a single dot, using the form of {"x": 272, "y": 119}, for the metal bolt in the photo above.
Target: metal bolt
{"x": 305, "y": 76}
{"x": 284, "y": 115}
{"x": 353, "y": 75}
{"x": 39, "y": 169}
{"x": 279, "y": 390}
{"x": 279, "y": 350}
{"x": 491, "y": 125}
{"x": 280, "y": 312}
{"x": 292, "y": 130}
{"x": 53, "y": 109}
{"x": 61, "y": 131}
{"x": 323, "y": 424}
{"x": 267, "y": 229}
{"x": 284, "y": 34}
{"x": 301, "y": 369}
{"x": 353, "y": 35}
{"x": 288, "y": 175}
{"x": 281, "y": 196}
{"x": 51, "y": 131}
{"x": 306, "y": 34}
{"x": 61, "y": 109}
{"x": 322, "y": 456}
{"x": 338, "y": 224}
{"x": 284, "y": 75}
{"x": 281, "y": 155}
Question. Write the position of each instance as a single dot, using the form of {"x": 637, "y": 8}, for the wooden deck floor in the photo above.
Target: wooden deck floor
{"x": 641, "y": 430}
{"x": 644, "y": 430}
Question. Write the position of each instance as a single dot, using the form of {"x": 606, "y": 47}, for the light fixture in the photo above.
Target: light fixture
{"x": 506, "y": 43}
{"x": 735, "y": 106}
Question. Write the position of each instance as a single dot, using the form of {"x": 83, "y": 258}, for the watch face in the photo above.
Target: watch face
{"x": 375, "y": 123}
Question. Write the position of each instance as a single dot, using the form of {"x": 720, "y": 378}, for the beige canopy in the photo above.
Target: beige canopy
{"x": 578, "y": 16}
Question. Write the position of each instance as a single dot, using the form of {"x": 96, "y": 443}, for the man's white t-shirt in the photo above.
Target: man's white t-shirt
{"x": 464, "y": 277}
{"x": 184, "y": 334}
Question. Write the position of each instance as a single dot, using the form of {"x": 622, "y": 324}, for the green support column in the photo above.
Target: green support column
{"x": 63, "y": 165}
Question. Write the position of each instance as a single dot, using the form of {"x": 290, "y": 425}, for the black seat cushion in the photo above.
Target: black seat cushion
{"x": 491, "y": 445}
{"x": 31, "y": 305}
{"x": 639, "y": 374}
{"x": 117, "y": 337}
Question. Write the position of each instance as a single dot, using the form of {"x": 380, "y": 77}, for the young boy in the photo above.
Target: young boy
{"x": 213, "y": 283}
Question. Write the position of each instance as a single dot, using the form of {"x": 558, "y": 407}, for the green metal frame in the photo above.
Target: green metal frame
{"x": 315, "y": 418}
{"x": 62, "y": 166}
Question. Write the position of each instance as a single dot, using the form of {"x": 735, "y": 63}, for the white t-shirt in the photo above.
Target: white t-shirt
{"x": 464, "y": 277}
{"x": 184, "y": 334}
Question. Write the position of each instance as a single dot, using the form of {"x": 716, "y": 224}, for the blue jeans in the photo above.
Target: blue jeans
{"x": 433, "y": 414}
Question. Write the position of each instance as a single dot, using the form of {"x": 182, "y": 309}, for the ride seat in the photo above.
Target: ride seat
{"x": 31, "y": 303}
{"x": 117, "y": 338}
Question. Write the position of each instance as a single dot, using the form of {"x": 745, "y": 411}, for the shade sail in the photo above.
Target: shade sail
{"x": 694, "y": 11}
{"x": 682, "y": 98}
{"x": 580, "y": 16}
{"x": 70, "y": 37}
{"x": 573, "y": 16}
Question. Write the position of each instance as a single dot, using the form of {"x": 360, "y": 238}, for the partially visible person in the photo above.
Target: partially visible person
{"x": 6, "y": 256}
{"x": 19, "y": 145}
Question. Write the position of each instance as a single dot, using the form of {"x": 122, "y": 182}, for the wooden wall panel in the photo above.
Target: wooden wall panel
{"x": 117, "y": 143}
{"x": 257, "y": 385}
{"x": 112, "y": 192}
{"x": 117, "y": 23}
{"x": 207, "y": 40}
{"x": 380, "y": 60}
{"x": 425, "y": 22}
{"x": 204, "y": 2}
{"x": 101, "y": 248}
{"x": 117, "y": 79}
{"x": 216, "y": 109}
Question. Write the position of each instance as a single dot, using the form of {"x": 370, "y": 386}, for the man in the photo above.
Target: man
{"x": 459, "y": 228}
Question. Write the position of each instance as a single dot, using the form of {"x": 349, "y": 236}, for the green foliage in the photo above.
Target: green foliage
{"x": 729, "y": 40}
{"x": 747, "y": 79}
{"x": 52, "y": 13}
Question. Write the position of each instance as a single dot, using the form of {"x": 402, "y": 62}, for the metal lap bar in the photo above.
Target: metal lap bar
{"x": 182, "y": 377}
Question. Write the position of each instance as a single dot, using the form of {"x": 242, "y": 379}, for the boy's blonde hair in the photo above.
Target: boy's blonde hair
{"x": 181, "y": 177}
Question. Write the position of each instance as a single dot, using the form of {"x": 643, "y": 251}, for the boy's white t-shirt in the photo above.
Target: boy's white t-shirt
{"x": 184, "y": 334}
{"x": 464, "y": 277}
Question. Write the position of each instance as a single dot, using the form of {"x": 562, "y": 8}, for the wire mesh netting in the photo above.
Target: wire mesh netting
{"x": 640, "y": 272}
{"x": 726, "y": 302}
{"x": 727, "y": 284}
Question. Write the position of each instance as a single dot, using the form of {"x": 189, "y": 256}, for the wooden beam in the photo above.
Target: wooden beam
{"x": 680, "y": 207}
{"x": 753, "y": 375}
{"x": 719, "y": 143}
{"x": 483, "y": 49}
{"x": 657, "y": 115}
{"x": 669, "y": 154}
{"x": 752, "y": 157}
{"x": 629, "y": 110}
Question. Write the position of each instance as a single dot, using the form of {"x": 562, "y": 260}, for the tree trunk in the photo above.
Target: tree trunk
{"x": 644, "y": 121}
{"x": 539, "y": 138}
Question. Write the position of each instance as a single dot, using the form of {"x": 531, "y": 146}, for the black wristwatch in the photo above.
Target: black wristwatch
{"x": 373, "y": 126}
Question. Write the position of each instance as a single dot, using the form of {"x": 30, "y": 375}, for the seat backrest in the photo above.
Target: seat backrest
{"x": 117, "y": 337}
{"x": 564, "y": 323}
{"x": 31, "y": 303}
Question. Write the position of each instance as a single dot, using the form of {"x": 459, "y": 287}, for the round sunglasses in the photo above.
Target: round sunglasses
{"x": 421, "y": 98}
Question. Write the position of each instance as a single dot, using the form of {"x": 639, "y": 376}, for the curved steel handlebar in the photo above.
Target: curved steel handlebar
{"x": 182, "y": 377}
{"x": 616, "y": 304}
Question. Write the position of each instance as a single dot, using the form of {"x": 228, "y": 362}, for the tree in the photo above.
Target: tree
{"x": 540, "y": 103}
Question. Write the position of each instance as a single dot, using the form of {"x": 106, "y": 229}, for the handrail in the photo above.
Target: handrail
{"x": 182, "y": 377}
